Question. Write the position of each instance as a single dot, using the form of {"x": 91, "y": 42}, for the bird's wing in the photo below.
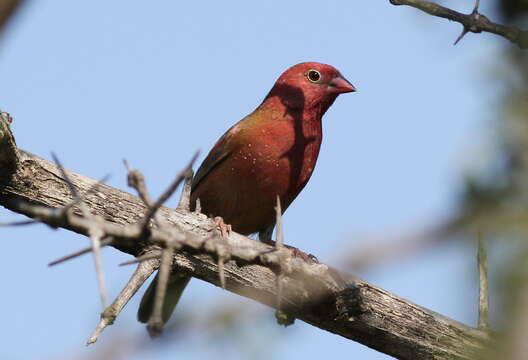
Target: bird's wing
{"x": 215, "y": 158}
{"x": 220, "y": 152}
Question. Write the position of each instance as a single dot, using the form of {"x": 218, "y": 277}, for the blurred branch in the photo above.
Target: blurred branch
{"x": 108, "y": 316}
{"x": 482, "y": 261}
{"x": 7, "y": 9}
{"x": 315, "y": 293}
{"x": 473, "y": 22}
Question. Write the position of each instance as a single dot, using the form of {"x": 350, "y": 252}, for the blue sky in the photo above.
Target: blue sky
{"x": 96, "y": 82}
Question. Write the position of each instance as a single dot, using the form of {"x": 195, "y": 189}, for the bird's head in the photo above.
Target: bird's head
{"x": 310, "y": 85}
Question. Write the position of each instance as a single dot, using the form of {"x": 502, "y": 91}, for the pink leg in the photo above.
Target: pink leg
{"x": 296, "y": 252}
{"x": 225, "y": 229}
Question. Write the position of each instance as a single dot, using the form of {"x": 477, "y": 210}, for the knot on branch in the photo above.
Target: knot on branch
{"x": 348, "y": 302}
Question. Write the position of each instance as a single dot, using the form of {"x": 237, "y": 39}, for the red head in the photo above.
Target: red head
{"x": 310, "y": 86}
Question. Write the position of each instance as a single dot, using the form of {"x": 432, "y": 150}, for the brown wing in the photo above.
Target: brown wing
{"x": 220, "y": 152}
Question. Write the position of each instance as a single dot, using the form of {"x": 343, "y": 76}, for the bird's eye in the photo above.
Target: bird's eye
{"x": 313, "y": 75}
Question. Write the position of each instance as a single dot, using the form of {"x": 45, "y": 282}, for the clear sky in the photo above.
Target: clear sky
{"x": 152, "y": 82}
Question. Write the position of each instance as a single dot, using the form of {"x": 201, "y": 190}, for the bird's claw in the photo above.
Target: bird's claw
{"x": 302, "y": 255}
{"x": 297, "y": 252}
{"x": 225, "y": 229}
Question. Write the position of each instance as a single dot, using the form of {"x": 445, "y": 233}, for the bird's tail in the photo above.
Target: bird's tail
{"x": 175, "y": 287}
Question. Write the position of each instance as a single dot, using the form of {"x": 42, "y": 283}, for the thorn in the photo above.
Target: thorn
{"x": 142, "y": 258}
{"x": 462, "y": 34}
{"x": 127, "y": 165}
{"x": 19, "y": 223}
{"x": 483, "y": 283}
{"x": 280, "y": 233}
{"x": 198, "y": 207}
{"x": 108, "y": 316}
{"x": 75, "y": 254}
{"x": 221, "y": 272}
{"x": 155, "y": 323}
{"x": 185, "y": 199}
{"x": 476, "y": 8}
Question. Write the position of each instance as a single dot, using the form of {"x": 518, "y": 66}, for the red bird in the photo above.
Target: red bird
{"x": 270, "y": 152}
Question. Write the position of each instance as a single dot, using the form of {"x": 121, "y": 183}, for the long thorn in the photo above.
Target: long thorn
{"x": 483, "y": 283}
{"x": 108, "y": 316}
{"x": 280, "y": 234}
{"x": 104, "y": 242}
{"x": 141, "y": 259}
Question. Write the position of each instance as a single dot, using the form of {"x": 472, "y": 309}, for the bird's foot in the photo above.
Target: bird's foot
{"x": 225, "y": 229}
{"x": 301, "y": 254}
{"x": 297, "y": 252}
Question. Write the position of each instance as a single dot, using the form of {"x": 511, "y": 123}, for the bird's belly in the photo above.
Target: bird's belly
{"x": 243, "y": 189}
{"x": 243, "y": 192}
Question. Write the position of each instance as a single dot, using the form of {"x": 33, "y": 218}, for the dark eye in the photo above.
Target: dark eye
{"x": 313, "y": 75}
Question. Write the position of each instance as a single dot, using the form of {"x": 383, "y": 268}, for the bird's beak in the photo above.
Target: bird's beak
{"x": 341, "y": 85}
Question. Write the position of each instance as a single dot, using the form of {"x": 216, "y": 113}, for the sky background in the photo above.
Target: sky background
{"x": 99, "y": 81}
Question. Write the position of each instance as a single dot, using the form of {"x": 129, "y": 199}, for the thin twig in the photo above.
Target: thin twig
{"x": 95, "y": 231}
{"x": 473, "y": 22}
{"x": 104, "y": 242}
{"x": 20, "y": 223}
{"x": 155, "y": 323}
{"x": 220, "y": 246}
{"x": 185, "y": 199}
{"x": 279, "y": 243}
{"x": 108, "y": 316}
{"x": 171, "y": 189}
{"x": 483, "y": 284}
{"x": 8, "y": 8}
{"x": 136, "y": 180}
{"x": 285, "y": 267}
{"x": 92, "y": 189}
{"x": 139, "y": 259}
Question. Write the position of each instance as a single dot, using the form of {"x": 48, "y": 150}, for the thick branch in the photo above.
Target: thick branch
{"x": 314, "y": 293}
{"x": 473, "y": 22}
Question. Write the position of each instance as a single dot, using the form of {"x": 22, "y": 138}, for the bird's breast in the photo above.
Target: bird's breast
{"x": 279, "y": 160}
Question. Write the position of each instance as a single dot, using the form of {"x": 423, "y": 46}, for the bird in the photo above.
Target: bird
{"x": 270, "y": 153}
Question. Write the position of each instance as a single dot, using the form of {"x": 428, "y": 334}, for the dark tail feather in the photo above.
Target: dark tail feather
{"x": 175, "y": 287}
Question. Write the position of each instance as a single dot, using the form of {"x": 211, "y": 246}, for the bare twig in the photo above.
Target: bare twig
{"x": 104, "y": 242}
{"x": 172, "y": 188}
{"x": 483, "y": 284}
{"x": 136, "y": 180}
{"x": 285, "y": 268}
{"x": 96, "y": 235}
{"x": 108, "y": 316}
{"x": 198, "y": 207}
{"x": 473, "y": 22}
{"x": 145, "y": 257}
{"x": 279, "y": 243}
{"x": 20, "y": 223}
{"x": 185, "y": 199}
{"x": 95, "y": 231}
{"x": 90, "y": 190}
{"x": 155, "y": 323}
{"x": 220, "y": 247}
{"x": 8, "y": 8}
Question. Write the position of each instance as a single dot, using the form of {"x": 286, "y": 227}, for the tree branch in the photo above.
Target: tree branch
{"x": 314, "y": 293}
{"x": 473, "y": 22}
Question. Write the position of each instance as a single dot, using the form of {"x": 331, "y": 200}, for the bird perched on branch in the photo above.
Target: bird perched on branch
{"x": 271, "y": 152}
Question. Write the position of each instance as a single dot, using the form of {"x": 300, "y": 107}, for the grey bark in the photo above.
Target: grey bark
{"x": 328, "y": 299}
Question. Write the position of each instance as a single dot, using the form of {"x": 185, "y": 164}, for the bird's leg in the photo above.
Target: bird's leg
{"x": 295, "y": 252}
{"x": 301, "y": 254}
{"x": 225, "y": 229}
{"x": 265, "y": 237}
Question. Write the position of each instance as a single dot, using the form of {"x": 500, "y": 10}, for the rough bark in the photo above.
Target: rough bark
{"x": 328, "y": 299}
